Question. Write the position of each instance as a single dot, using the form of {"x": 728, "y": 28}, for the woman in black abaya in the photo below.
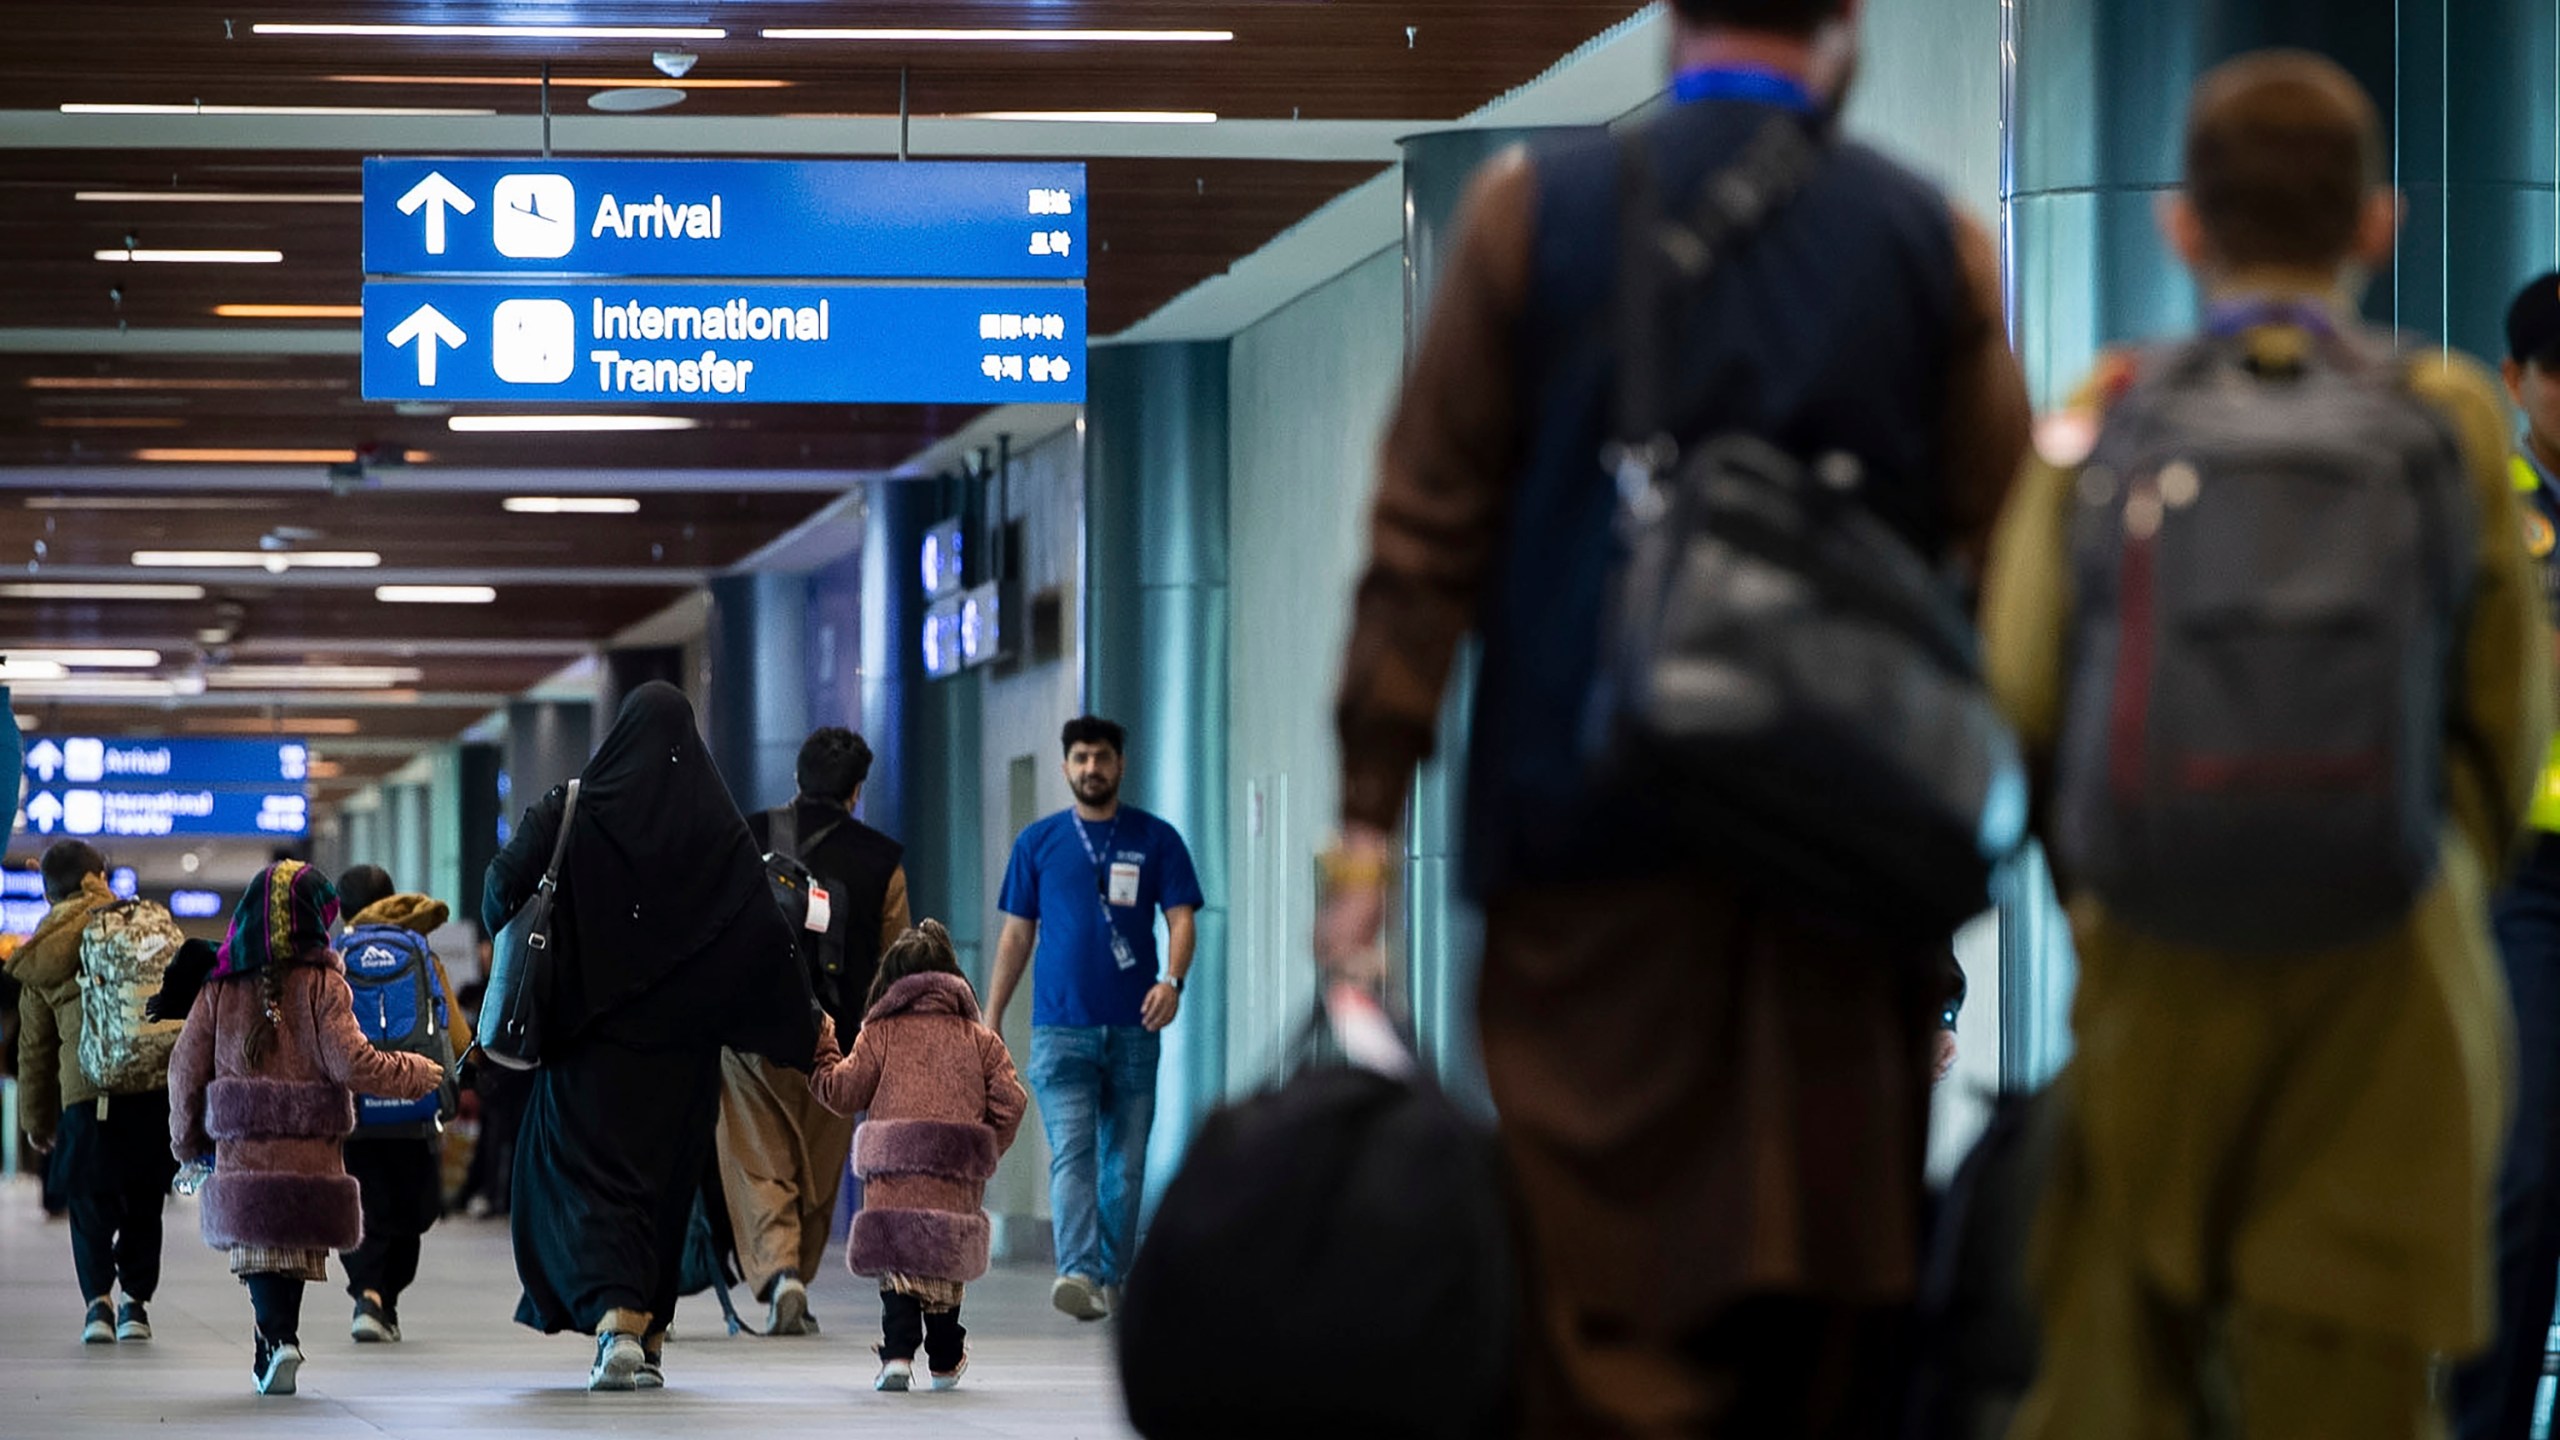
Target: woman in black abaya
{"x": 669, "y": 947}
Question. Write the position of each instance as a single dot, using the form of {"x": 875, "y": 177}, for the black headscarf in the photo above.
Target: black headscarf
{"x": 667, "y": 891}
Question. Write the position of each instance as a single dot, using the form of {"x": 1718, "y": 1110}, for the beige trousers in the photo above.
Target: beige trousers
{"x": 782, "y": 1165}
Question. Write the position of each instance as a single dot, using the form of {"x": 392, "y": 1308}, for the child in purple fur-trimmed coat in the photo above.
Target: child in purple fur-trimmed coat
{"x": 945, "y": 1105}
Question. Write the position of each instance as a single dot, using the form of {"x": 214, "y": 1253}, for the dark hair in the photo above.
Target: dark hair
{"x": 361, "y": 887}
{"x": 834, "y": 762}
{"x": 924, "y": 950}
{"x": 1786, "y": 17}
{"x": 66, "y": 864}
{"x": 2283, "y": 150}
{"x": 1094, "y": 730}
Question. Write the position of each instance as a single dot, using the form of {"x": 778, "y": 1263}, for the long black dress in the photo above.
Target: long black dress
{"x": 670, "y": 948}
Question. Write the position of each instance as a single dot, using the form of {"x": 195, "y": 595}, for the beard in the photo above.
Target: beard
{"x": 1097, "y": 790}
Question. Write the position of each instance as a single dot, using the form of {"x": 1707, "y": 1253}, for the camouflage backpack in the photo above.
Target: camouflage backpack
{"x": 124, "y": 954}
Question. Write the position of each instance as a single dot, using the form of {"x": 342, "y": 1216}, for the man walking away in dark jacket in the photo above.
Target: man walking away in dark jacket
{"x": 1713, "y": 1098}
{"x": 782, "y": 1154}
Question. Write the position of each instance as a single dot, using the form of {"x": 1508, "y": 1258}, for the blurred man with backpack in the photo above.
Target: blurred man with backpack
{"x": 2264, "y": 619}
{"x": 93, "y": 1085}
{"x": 403, "y": 1003}
{"x": 782, "y": 1154}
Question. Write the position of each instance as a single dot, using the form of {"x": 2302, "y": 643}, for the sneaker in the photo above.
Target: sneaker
{"x": 100, "y": 1328}
{"x": 947, "y": 1379}
{"x": 373, "y": 1324}
{"x": 789, "y": 1312}
{"x": 133, "y": 1323}
{"x": 618, "y": 1362}
{"x": 1079, "y": 1298}
{"x": 653, "y": 1373}
{"x": 895, "y": 1375}
{"x": 276, "y": 1366}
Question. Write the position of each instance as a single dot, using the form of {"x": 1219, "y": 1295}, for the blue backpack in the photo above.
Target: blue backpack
{"x": 400, "y": 1007}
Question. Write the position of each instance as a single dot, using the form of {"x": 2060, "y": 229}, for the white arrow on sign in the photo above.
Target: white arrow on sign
{"x": 435, "y": 192}
{"x": 45, "y": 759}
{"x": 426, "y": 325}
{"x": 44, "y": 812}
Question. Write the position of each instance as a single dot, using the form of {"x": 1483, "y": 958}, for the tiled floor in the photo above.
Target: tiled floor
{"x": 465, "y": 1370}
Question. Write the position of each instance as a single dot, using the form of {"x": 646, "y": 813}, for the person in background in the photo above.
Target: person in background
{"x": 667, "y": 948}
{"x": 262, "y": 1087}
{"x": 113, "y": 1160}
{"x": 1084, "y": 886}
{"x": 397, "y": 1161}
{"x": 2495, "y": 1397}
{"x": 2270, "y": 1208}
{"x": 782, "y": 1154}
{"x": 944, "y": 1106}
{"x": 1711, "y": 1233}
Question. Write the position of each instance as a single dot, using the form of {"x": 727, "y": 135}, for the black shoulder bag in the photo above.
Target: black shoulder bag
{"x": 795, "y": 887}
{"x": 1784, "y": 678}
{"x": 522, "y": 963}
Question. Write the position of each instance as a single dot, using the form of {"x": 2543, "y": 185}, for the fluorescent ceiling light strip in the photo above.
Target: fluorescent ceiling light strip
{"x": 212, "y": 197}
{"x": 88, "y": 659}
{"x": 111, "y": 422}
{"x": 15, "y": 670}
{"x": 571, "y": 505}
{"x": 435, "y": 594}
{"x": 565, "y": 424}
{"x": 503, "y": 32}
{"x": 236, "y": 455}
{"x": 116, "y": 688}
{"x": 257, "y": 559}
{"x": 644, "y": 82}
{"x": 328, "y": 677}
{"x": 193, "y": 257}
{"x": 59, "y": 590}
{"x": 150, "y": 504}
{"x": 173, "y": 382}
{"x": 1098, "y": 117}
{"x": 289, "y": 312}
{"x": 892, "y": 35}
{"x": 356, "y": 112}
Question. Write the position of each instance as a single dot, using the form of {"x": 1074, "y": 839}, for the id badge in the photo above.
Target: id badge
{"x": 1123, "y": 953}
{"x": 821, "y": 909}
{"x": 1124, "y": 885}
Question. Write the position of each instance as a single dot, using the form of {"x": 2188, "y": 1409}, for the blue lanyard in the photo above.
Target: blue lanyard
{"x": 1736, "y": 82}
{"x": 2241, "y": 316}
{"x": 1100, "y": 857}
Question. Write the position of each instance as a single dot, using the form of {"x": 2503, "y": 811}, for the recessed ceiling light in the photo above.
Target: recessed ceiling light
{"x": 59, "y": 590}
{"x": 90, "y": 659}
{"x": 635, "y": 99}
{"x": 275, "y": 560}
{"x": 1010, "y": 37}
{"x": 561, "y": 82}
{"x": 193, "y": 257}
{"x": 571, "y": 505}
{"x": 435, "y": 594}
{"x": 311, "y": 677}
{"x": 1098, "y": 117}
{"x": 289, "y": 312}
{"x": 368, "y": 112}
{"x": 503, "y": 32}
{"x": 213, "y": 197}
{"x": 565, "y": 424}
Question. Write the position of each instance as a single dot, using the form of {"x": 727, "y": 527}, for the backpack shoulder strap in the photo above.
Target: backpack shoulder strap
{"x": 782, "y": 831}
{"x": 560, "y": 848}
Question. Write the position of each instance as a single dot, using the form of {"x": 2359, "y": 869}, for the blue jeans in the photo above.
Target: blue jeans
{"x": 1097, "y": 1089}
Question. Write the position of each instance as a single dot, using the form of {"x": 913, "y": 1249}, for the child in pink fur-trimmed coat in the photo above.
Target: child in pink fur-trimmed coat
{"x": 945, "y": 1105}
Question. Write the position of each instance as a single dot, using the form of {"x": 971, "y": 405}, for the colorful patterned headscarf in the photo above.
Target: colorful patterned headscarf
{"x": 287, "y": 912}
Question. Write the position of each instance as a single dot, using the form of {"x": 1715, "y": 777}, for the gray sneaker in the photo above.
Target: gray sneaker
{"x": 788, "y": 1314}
{"x": 100, "y": 1327}
{"x": 1078, "y": 1298}
{"x": 619, "y": 1360}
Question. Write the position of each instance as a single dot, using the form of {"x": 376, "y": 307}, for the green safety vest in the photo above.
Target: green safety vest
{"x": 2541, "y": 540}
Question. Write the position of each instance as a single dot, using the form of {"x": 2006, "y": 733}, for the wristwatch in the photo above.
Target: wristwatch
{"x": 1173, "y": 980}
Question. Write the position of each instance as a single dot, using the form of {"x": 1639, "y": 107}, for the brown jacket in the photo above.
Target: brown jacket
{"x": 945, "y": 1104}
{"x": 48, "y": 965}
{"x": 275, "y": 1129}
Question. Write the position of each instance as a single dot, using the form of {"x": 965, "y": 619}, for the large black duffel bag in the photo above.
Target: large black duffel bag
{"x": 1352, "y": 1212}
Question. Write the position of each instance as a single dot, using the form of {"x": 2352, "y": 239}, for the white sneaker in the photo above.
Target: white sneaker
{"x": 283, "y": 1364}
{"x": 895, "y": 1375}
{"x": 618, "y": 1362}
{"x": 789, "y": 1312}
{"x": 946, "y": 1379}
{"x": 1078, "y": 1298}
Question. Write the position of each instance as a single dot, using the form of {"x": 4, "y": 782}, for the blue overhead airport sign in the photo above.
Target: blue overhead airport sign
{"x": 159, "y": 763}
{"x": 712, "y": 342}
{"x": 87, "y": 786}
{"x": 194, "y": 812}
{"x": 771, "y": 219}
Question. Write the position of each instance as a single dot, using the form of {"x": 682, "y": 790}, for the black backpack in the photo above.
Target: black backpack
{"x": 2270, "y": 559}
{"x": 1785, "y": 680}
{"x": 793, "y": 882}
{"x": 1345, "y": 1197}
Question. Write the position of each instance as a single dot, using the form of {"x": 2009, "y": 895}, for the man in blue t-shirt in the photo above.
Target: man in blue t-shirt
{"x": 1085, "y": 885}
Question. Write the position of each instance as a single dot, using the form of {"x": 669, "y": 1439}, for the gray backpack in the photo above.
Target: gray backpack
{"x": 2271, "y": 558}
